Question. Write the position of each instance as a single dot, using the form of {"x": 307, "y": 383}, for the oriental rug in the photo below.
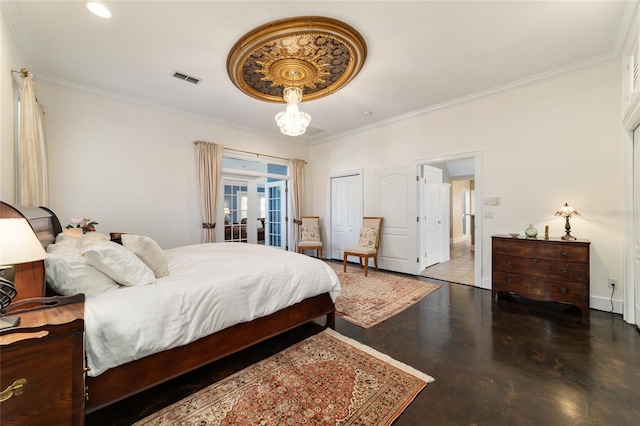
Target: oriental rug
{"x": 367, "y": 301}
{"x": 327, "y": 379}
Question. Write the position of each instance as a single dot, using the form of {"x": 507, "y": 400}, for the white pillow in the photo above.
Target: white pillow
{"x": 68, "y": 273}
{"x": 149, "y": 251}
{"x": 119, "y": 263}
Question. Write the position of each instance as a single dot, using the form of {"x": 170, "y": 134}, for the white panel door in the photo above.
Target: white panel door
{"x": 431, "y": 215}
{"x": 636, "y": 219}
{"x": 445, "y": 208}
{"x": 346, "y": 213}
{"x": 397, "y": 200}
{"x": 275, "y": 228}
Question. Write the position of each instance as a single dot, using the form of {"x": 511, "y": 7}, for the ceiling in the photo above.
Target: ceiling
{"x": 421, "y": 55}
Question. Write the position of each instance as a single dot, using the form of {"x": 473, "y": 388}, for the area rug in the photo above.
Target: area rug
{"x": 327, "y": 379}
{"x": 367, "y": 301}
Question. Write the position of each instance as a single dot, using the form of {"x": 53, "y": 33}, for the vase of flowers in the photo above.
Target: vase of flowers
{"x": 83, "y": 222}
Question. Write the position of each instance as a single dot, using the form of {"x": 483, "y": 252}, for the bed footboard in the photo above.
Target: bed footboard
{"x": 134, "y": 377}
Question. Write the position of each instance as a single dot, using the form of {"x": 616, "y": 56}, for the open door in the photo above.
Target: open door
{"x": 636, "y": 222}
{"x": 431, "y": 225}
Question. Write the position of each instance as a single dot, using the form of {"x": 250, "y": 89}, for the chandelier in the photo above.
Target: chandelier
{"x": 292, "y": 121}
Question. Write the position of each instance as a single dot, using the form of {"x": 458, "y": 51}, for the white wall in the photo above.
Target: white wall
{"x": 10, "y": 58}
{"x": 131, "y": 167}
{"x": 541, "y": 144}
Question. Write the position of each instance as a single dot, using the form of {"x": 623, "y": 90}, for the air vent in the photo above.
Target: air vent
{"x": 186, "y": 77}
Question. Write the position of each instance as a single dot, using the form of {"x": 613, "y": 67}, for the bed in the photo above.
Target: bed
{"x": 217, "y": 299}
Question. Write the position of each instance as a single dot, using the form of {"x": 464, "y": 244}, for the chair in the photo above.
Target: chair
{"x": 368, "y": 244}
{"x": 310, "y": 235}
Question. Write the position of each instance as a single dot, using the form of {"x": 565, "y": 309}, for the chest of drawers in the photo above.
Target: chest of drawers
{"x": 545, "y": 270}
{"x": 42, "y": 364}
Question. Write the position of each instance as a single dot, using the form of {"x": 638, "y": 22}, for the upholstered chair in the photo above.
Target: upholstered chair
{"x": 310, "y": 235}
{"x": 368, "y": 244}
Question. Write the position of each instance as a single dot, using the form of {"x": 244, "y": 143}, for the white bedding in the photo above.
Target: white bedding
{"x": 209, "y": 287}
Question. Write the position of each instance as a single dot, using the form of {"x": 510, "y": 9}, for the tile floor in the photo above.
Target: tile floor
{"x": 460, "y": 269}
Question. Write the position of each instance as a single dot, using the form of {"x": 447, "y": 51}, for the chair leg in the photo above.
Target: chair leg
{"x": 320, "y": 255}
{"x": 344, "y": 262}
{"x": 375, "y": 259}
{"x": 366, "y": 266}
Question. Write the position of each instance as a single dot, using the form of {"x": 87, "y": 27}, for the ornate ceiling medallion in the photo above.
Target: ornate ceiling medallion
{"x": 316, "y": 54}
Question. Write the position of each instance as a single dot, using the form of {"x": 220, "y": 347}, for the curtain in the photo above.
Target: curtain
{"x": 209, "y": 169}
{"x": 297, "y": 188}
{"x": 32, "y": 174}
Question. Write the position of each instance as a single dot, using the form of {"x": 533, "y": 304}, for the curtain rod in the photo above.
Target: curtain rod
{"x": 257, "y": 154}
{"x": 23, "y": 71}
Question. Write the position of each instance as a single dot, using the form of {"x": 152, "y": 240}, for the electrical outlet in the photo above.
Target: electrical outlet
{"x": 613, "y": 283}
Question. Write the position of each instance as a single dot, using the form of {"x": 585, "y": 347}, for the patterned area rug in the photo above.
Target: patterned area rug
{"x": 327, "y": 379}
{"x": 367, "y": 301}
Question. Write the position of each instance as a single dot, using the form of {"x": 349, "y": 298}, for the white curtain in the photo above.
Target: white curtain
{"x": 209, "y": 170}
{"x": 297, "y": 187}
{"x": 32, "y": 174}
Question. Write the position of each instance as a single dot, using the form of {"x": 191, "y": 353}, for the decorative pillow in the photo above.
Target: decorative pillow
{"x": 309, "y": 233}
{"x": 119, "y": 263}
{"x": 116, "y": 237}
{"x": 368, "y": 237}
{"x": 149, "y": 251}
{"x": 68, "y": 273}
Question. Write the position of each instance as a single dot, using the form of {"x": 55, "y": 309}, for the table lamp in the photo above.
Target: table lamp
{"x": 18, "y": 244}
{"x": 567, "y": 211}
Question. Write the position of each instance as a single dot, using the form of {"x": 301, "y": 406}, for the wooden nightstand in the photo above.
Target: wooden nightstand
{"x": 42, "y": 363}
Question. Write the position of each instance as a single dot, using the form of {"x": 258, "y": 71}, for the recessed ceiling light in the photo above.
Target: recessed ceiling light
{"x": 367, "y": 113}
{"x": 99, "y": 10}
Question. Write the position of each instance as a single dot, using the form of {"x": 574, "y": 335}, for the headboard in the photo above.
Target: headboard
{"x": 29, "y": 278}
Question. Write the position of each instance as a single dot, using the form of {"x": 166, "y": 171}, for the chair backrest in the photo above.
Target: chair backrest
{"x": 310, "y": 220}
{"x": 373, "y": 222}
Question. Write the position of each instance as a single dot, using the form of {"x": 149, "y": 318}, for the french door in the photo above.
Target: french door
{"x": 276, "y": 229}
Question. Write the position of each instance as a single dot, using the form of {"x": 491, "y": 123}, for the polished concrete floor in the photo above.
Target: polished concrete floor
{"x": 459, "y": 269}
{"x": 509, "y": 362}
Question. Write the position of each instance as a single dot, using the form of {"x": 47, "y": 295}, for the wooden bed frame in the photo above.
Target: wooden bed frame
{"x": 126, "y": 380}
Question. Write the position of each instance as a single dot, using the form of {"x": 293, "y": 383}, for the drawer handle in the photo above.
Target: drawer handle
{"x": 510, "y": 247}
{"x": 563, "y": 270}
{"x": 510, "y": 263}
{"x": 15, "y": 389}
{"x": 563, "y": 252}
{"x": 508, "y": 280}
{"x": 535, "y": 278}
{"x": 535, "y": 260}
{"x": 563, "y": 289}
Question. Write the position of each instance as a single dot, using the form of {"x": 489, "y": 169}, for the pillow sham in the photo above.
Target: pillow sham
{"x": 309, "y": 233}
{"x": 149, "y": 251}
{"x": 368, "y": 237}
{"x": 68, "y": 273}
{"x": 118, "y": 263}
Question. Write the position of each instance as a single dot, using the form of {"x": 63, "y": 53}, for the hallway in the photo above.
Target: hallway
{"x": 460, "y": 269}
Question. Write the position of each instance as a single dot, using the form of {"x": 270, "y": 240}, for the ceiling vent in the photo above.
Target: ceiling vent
{"x": 186, "y": 77}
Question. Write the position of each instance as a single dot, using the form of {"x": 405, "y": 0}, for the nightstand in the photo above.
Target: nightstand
{"x": 42, "y": 363}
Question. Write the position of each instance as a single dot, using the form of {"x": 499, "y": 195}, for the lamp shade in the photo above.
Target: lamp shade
{"x": 567, "y": 211}
{"x": 18, "y": 243}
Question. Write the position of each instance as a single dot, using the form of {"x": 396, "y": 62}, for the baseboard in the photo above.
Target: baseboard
{"x": 605, "y": 304}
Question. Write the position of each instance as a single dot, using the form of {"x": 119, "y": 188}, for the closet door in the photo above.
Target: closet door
{"x": 346, "y": 213}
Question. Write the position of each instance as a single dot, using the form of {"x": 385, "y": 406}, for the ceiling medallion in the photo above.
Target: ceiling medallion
{"x": 316, "y": 54}
{"x": 308, "y": 57}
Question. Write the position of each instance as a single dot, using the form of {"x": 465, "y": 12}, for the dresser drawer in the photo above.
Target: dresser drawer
{"x": 570, "y": 252}
{"x": 540, "y": 288}
{"x": 567, "y": 271}
{"x": 49, "y": 368}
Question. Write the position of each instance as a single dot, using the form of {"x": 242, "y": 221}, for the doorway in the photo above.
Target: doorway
{"x": 460, "y": 258}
